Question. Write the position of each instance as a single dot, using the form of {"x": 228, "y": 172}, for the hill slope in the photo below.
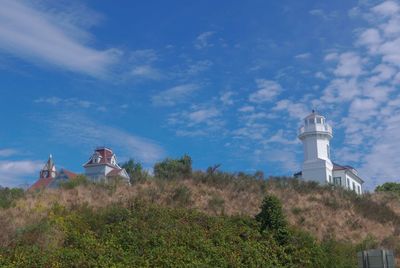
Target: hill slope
{"x": 198, "y": 220}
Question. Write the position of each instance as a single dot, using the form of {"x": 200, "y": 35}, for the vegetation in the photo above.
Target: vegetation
{"x": 135, "y": 171}
{"x": 180, "y": 217}
{"x": 144, "y": 235}
{"x": 174, "y": 168}
{"x": 389, "y": 187}
{"x": 9, "y": 196}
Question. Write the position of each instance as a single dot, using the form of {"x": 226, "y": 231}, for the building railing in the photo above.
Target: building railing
{"x": 315, "y": 128}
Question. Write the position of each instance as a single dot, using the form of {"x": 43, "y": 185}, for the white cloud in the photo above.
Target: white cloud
{"x": 34, "y": 35}
{"x": 174, "y": 95}
{"x": 14, "y": 173}
{"x": 349, "y": 65}
{"x": 226, "y": 98}
{"x": 331, "y": 56}
{"x": 77, "y": 130}
{"x": 267, "y": 91}
{"x": 70, "y": 103}
{"x": 370, "y": 38}
{"x": 203, "y": 115}
{"x": 295, "y": 110}
{"x": 340, "y": 89}
{"x": 320, "y": 75}
{"x": 198, "y": 67}
{"x": 303, "y": 56}
{"x": 7, "y": 152}
{"x": 146, "y": 71}
{"x": 246, "y": 109}
{"x": 386, "y": 8}
{"x": 202, "y": 40}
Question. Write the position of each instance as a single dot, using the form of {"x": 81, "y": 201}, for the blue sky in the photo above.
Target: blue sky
{"x": 223, "y": 81}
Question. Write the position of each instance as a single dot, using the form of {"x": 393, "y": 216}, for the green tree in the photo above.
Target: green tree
{"x": 391, "y": 187}
{"x": 272, "y": 219}
{"x": 174, "y": 168}
{"x": 9, "y": 195}
{"x": 135, "y": 171}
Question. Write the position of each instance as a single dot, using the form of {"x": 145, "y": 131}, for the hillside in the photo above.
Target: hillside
{"x": 201, "y": 219}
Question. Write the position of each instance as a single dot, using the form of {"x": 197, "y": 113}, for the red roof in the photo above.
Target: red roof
{"x": 105, "y": 154}
{"x": 41, "y": 183}
{"x": 114, "y": 172}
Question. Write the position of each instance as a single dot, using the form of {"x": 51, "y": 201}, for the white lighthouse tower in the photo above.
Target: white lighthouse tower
{"x": 315, "y": 135}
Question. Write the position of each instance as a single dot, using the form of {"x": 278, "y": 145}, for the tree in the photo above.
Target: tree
{"x": 392, "y": 187}
{"x": 135, "y": 171}
{"x": 174, "y": 168}
{"x": 272, "y": 219}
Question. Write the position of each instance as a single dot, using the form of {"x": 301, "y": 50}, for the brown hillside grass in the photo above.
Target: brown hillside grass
{"x": 323, "y": 211}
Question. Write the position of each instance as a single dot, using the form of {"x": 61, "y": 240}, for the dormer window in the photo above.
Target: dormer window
{"x": 96, "y": 158}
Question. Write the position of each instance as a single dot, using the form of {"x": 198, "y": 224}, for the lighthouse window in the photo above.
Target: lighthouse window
{"x": 319, "y": 120}
{"x": 311, "y": 121}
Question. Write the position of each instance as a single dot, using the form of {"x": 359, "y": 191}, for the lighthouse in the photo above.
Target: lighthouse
{"x": 315, "y": 135}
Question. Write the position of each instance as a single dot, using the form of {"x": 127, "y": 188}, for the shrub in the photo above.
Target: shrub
{"x": 135, "y": 171}
{"x": 272, "y": 219}
{"x": 75, "y": 182}
{"x": 182, "y": 195}
{"x": 216, "y": 204}
{"x": 174, "y": 168}
{"x": 8, "y": 196}
{"x": 389, "y": 187}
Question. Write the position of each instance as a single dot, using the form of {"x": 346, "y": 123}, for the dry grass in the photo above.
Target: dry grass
{"x": 322, "y": 211}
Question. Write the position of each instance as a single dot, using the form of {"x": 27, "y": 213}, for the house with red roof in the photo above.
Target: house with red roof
{"x": 49, "y": 177}
{"x": 102, "y": 165}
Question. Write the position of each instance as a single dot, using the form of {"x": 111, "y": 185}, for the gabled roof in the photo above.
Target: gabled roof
{"x": 41, "y": 183}
{"x": 63, "y": 174}
{"x": 340, "y": 167}
{"x": 105, "y": 156}
{"x": 348, "y": 169}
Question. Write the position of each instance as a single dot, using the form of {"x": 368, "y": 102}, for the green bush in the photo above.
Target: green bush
{"x": 135, "y": 171}
{"x": 174, "y": 168}
{"x": 272, "y": 219}
{"x": 145, "y": 235}
{"x": 182, "y": 196}
{"x": 8, "y": 196}
{"x": 216, "y": 204}
{"x": 75, "y": 182}
{"x": 389, "y": 187}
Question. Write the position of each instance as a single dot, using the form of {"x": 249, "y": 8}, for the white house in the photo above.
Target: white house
{"x": 317, "y": 166}
{"x": 103, "y": 165}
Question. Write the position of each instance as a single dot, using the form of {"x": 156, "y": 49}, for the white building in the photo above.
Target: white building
{"x": 317, "y": 166}
{"x": 103, "y": 165}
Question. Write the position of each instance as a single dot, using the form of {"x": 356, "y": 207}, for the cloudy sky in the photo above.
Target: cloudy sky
{"x": 226, "y": 82}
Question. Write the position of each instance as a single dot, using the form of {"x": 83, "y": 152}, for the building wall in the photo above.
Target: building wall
{"x": 348, "y": 181}
{"x": 96, "y": 172}
{"x": 318, "y": 170}
{"x": 315, "y": 148}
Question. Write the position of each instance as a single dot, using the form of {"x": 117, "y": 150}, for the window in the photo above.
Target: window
{"x": 311, "y": 121}
{"x": 319, "y": 120}
{"x": 328, "y": 151}
{"x": 330, "y": 179}
{"x": 354, "y": 186}
{"x": 348, "y": 183}
{"x": 359, "y": 189}
{"x": 337, "y": 180}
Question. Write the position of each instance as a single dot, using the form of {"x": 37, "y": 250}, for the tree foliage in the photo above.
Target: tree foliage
{"x": 391, "y": 187}
{"x": 135, "y": 171}
{"x": 9, "y": 195}
{"x": 174, "y": 168}
{"x": 272, "y": 218}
